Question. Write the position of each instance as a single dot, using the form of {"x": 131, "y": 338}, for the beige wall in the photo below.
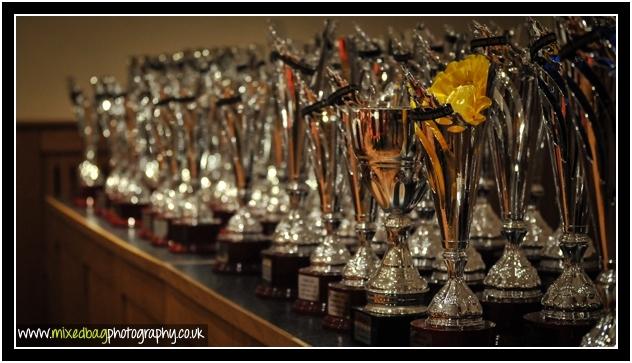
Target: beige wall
{"x": 48, "y": 49}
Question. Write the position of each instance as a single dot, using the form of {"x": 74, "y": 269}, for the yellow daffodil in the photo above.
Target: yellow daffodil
{"x": 463, "y": 84}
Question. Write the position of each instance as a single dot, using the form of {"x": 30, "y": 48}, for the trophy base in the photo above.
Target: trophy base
{"x": 340, "y": 299}
{"x": 376, "y": 329}
{"x": 490, "y": 250}
{"x": 510, "y": 327}
{"x": 194, "y": 238}
{"x": 312, "y": 291}
{"x": 423, "y": 334}
{"x": 280, "y": 275}
{"x": 240, "y": 256}
{"x": 544, "y": 332}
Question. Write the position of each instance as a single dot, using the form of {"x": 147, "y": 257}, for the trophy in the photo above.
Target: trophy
{"x": 391, "y": 168}
{"x": 194, "y": 228}
{"x": 89, "y": 174}
{"x": 351, "y": 290}
{"x": 452, "y": 145}
{"x": 242, "y": 240}
{"x": 292, "y": 242}
{"x": 571, "y": 305}
{"x": 512, "y": 285}
{"x": 330, "y": 256}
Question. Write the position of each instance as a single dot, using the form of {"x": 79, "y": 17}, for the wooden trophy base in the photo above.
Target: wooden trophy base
{"x": 341, "y": 298}
{"x": 543, "y": 332}
{"x": 423, "y": 334}
{"x": 280, "y": 275}
{"x": 312, "y": 291}
{"x": 382, "y": 330}
{"x": 241, "y": 256}
{"x": 161, "y": 229}
{"x": 509, "y": 322}
{"x": 194, "y": 238}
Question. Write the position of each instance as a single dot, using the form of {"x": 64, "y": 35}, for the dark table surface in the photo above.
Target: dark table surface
{"x": 238, "y": 289}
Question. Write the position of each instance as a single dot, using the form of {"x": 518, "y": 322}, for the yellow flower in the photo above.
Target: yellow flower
{"x": 463, "y": 84}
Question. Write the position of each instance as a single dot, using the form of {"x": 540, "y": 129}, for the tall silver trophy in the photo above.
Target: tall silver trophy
{"x": 329, "y": 258}
{"x": 351, "y": 290}
{"x": 391, "y": 167}
{"x": 242, "y": 240}
{"x": 572, "y": 301}
{"x": 452, "y": 147}
{"x": 292, "y": 242}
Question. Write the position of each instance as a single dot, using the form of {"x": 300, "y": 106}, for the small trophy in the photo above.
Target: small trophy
{"x": 194, "y": 228}
{"x": 391, "y": 168}
{"x": 452, "y": 146}
{"x": 331, "y": 255}
{"x": 292, "y": 241}
{"x": 242, "y": 240}
{"x": 351, "y": 290}
{"x": 90, "y": 177}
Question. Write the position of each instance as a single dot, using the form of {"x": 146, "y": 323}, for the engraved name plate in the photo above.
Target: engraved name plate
{"x": 308, "y": 288}
{"x": 337, "y": 303}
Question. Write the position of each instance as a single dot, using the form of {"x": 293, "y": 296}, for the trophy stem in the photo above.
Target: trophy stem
{"x": 573, "y": 296}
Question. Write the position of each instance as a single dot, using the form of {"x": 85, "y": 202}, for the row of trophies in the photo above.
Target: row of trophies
{"x": 276, "y": 164}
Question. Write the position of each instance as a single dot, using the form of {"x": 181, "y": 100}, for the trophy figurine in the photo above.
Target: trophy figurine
{"x": 242, "y": 240}
{"x": 390, "y": 161}
{"x": 331, "y": 255}
{"x": 580, "y": 125}
{"x": 351, "y": 290}
{"x": 91, "y": 178}
{"x": 452, "y": 139}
